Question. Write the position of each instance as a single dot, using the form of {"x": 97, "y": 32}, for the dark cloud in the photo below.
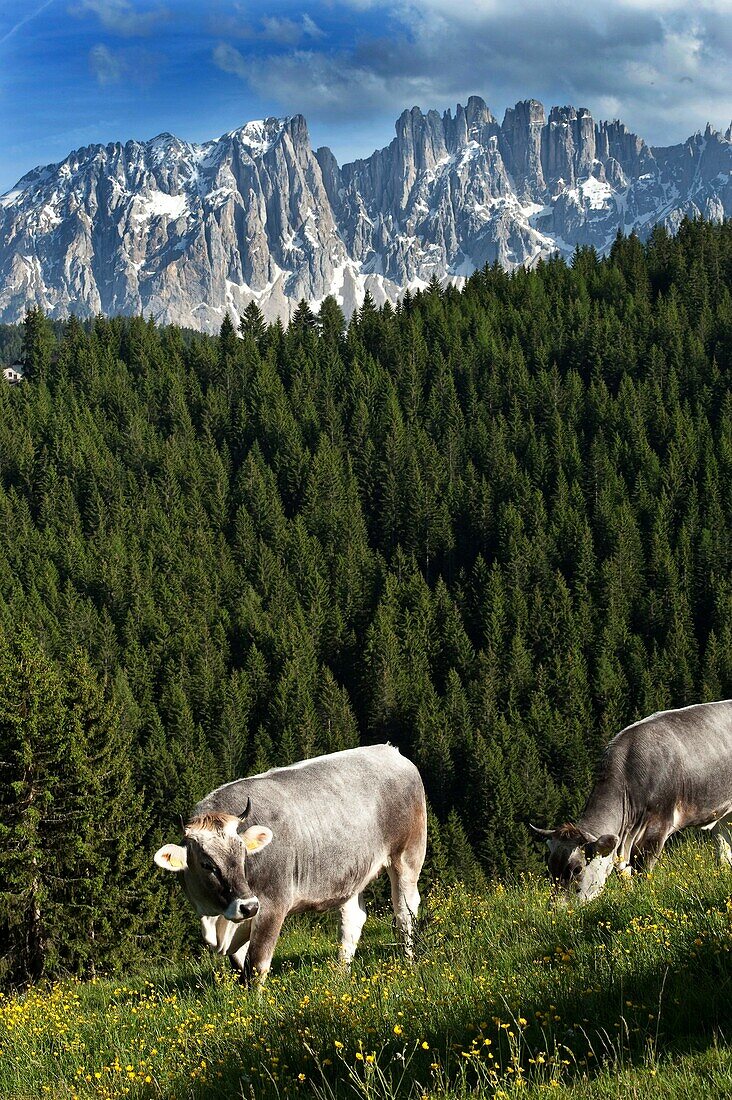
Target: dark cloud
{"x": 326, "y": 86}
{"x": 661, "y": 65}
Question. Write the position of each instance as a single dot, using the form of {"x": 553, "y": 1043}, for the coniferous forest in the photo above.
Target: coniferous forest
{"x": 491, "y": 526}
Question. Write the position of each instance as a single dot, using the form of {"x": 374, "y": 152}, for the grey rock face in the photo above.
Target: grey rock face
{"x": 521, "y": 133}
{"x": 184, "y": 232}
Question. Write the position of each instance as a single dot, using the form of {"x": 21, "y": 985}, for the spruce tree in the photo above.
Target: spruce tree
{"x": 38, "y": 345}
{"x": 253, "y": 324}
{"x": 73, "y": 893}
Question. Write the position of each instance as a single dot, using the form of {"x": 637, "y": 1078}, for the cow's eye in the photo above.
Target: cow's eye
{"x": 210, "y": 867}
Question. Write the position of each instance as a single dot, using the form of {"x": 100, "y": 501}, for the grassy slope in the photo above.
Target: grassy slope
{"x": 627, "y": 996}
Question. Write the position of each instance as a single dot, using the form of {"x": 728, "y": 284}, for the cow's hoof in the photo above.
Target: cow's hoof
{"x": 243, "y": 973}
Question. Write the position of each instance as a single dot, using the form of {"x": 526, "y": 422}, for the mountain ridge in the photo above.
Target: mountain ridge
{"x": 182, "y": 231}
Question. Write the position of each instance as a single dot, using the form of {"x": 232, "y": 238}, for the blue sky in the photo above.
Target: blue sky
{"x": 74, "y": 72}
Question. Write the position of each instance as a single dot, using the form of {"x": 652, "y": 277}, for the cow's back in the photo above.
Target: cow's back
{"x": 677, "y": 760}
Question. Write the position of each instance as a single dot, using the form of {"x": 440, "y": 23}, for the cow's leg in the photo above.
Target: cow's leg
{"x": 405, "y": 902}
{"x": 353, "y": 917}
{"x": 650, "y": 847}
{"x": 266, "y": 927}
{"x": 623, "y": 858}
{"x": 238, "y": 946}
{"x": 724, "y": 848}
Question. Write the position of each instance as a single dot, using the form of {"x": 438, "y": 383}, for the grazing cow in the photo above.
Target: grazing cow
{"x": 658, "y": 776}
{"x": 308, "y": 836}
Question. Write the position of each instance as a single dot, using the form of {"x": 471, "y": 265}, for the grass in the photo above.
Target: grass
{"x": 509, "y": 996}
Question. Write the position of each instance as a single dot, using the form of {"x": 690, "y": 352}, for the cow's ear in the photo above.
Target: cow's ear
{"x": 256, "y": 837}
{"x": 171, "y": 857}
{"x": 605, "y": 845}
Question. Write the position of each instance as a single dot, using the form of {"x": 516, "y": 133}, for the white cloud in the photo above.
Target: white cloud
{"x": 106, "y": 66}
{"x": 311, "y": 28}
{"x": 229, "y": 60}
{"x": 133, "y": 64}
{"x": 121, "y": 17}
{"x": 279, "y": 29}
{"x": 286, "y": 31}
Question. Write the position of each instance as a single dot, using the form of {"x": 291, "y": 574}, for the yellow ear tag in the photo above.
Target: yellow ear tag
{"x": 175, "y": 862}
{"x": 253, "y": 842}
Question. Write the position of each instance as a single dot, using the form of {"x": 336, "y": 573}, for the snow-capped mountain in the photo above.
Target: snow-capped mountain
{"x": 183, "y": 232}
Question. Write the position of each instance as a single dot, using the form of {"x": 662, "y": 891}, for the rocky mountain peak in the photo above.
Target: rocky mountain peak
{"x": 477, "y": 113}
{"x": 185, "y": 232}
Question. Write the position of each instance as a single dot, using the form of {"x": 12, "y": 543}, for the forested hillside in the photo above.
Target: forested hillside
{"x": 491, "y": 526}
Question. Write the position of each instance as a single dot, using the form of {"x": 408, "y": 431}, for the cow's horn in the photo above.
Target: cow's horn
{"x": 541, "y": 832}
{"x": 246, "y": 809}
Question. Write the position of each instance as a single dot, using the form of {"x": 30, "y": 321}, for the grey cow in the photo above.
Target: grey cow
{"x": 308, "y": 836}
{"x": 658, "y": 776}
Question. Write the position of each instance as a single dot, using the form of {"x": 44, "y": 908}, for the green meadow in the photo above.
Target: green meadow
{"x": 510, "y": 994}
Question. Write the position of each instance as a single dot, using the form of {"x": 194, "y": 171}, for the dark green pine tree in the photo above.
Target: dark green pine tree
{"x": 432, "y": 755}
{"x": 38, "y": 345}
{"x": 228, "y": 354}
{"x": 232, "y": 733}
{"x": 338, "y": 725}
{"x": 253, "y": 324}
{"x": 168, "y": 804}
{"x": 35, "y": 767}
{"x": 303, "y": 319}
{"x": 331, "y": 321}
{"x": 461, "y": 862}
{"x": 73, "y": 894}
{"x": 110, "y": 904}
{"x": 436, "y": 866}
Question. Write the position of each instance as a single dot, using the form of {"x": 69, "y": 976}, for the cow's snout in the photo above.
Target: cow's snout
{"x": 248, "y": 908}
{"x": 243, "y": 909}
{"x": 569, "y": 874}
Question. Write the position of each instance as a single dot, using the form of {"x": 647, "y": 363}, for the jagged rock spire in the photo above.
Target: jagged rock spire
{"x": 185, "y": 232}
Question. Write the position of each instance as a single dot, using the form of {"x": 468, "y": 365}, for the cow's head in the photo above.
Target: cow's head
{"x": 579, "y": 863}
{"x": 213, "y": 859}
